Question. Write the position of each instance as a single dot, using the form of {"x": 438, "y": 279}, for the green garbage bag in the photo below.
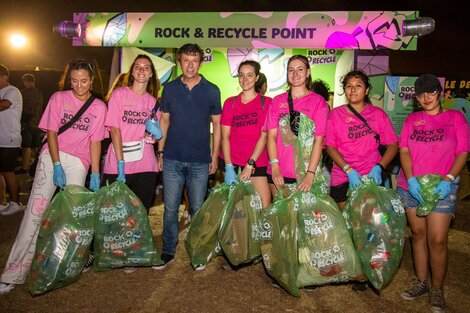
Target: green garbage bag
{"x": 64, "y": 240}
{"x": 377, "y": 220}
{"x": 326, "y": 253}
{"x": 123, "y": 236}
{"x": 238, "y": 232}
{"x": 201, "y": 240}
{"x": 278, "y": 240}
{"x": 428, "y": 184}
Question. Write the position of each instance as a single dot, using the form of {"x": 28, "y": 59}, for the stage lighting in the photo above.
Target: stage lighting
{"x": 68, "y": 29}
{"x": 418, "y": 27}
{"x": 18, "y": 40}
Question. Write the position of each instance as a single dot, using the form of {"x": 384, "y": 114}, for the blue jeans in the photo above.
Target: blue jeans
{"x": 447, "y": 205}
{"x": 175, "y": 175}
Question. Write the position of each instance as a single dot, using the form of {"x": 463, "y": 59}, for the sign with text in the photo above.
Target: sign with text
{"x": 330, "y": 30}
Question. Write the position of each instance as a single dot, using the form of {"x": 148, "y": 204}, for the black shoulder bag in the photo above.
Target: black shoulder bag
{"x": 32, "y": 168}
{"x": 382, "y": 148}
{"x": 294, "y": 116}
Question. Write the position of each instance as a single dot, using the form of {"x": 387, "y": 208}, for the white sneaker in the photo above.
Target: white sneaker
{"x": 3, "y": 207}
{"x": 5, "y": 288}
{"x": 129, "y": 269}
{"x": 12, "y": 208}
{"x": 199, "y": 267}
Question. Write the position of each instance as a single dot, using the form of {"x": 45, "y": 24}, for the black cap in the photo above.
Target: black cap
{"x": 427, "y": 83}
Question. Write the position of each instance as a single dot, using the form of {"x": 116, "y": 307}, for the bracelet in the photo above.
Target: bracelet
{"x": 159, "y": 154}
{"x": 349, "y": 170}
{"x": 273, "y": 161}
{"x": 346, "y": 167}
{"x": 228, "y": 165}
{"x": 57, "y": 163}
{"x": 309, "y": 171}
{"x": 120, "y": 161}
{"x": 451, "y": 177}
{"x": 381, "y": 166}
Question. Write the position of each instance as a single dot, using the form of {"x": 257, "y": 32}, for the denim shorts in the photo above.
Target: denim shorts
{"x": 447, "y": 205}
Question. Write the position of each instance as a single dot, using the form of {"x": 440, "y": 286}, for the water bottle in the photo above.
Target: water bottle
{"x": 148, "y": 137}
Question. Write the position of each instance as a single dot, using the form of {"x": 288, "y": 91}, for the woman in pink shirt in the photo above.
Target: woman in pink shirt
{"x": 64, "y": 160}
{"x": 353, "y": 145}
{"x": 432, "y": 141}
{"x": 281, "y": 154}
{"x": 243, "y": 140}
{"x": 128, "y": 119}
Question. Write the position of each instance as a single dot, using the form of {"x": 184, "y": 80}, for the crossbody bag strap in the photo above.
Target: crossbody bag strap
{"x": 72, "y": 120}
{"x": 157, "y": 105}
{"x": 363, "y": 120}
{"x": 291, "y": 103}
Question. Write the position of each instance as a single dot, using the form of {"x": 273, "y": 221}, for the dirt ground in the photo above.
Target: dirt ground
{"x": 180, "y": 289}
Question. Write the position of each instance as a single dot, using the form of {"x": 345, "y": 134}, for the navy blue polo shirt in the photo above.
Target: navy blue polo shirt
{"x": 188, "y": 138}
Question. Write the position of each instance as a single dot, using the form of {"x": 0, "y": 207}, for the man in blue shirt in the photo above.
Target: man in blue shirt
{"x": 188, "y": 105}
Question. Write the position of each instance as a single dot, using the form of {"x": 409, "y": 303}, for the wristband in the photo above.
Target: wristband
{"x": 345, "y": 168}
{"x": 381, "y": 166}
{"x": 228, "y": 165}
{"x": 57, "y": 163}
{"x": 350, "y": 169}
{"x": 451, "y": 177}
{"x": 159, "y": 154}
{"x": 273, "y": 161}
{"x": 120, "y": 161}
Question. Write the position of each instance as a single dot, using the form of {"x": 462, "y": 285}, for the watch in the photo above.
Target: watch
{"x": 251, "y": 162}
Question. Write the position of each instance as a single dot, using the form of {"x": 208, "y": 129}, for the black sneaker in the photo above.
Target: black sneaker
{"x": 89, "y": 262}
{"x": 438, "y": 304}
{"x": 310, "y": 288}
{"x": 167, "y": 259}
{"x": 418, "y": 289}
{"x": 275, "y": 284}
{"x": 360, "y": 286}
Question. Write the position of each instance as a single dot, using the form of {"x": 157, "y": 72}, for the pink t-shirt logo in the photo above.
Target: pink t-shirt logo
{"x": 134, "y": 117}
{"x": 419, "y": 123}
{"x": 247, "y": 119}
{"x": 83, "y": 123}
{"x": 429, "y": 135}
{"x": 358, "y": 131}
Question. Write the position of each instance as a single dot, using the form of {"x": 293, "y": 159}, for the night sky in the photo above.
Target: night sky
{"x": 444, "y": 52}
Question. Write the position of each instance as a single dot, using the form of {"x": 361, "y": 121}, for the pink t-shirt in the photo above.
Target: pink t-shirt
{"x": 245, "y": 121}
{"x": 355, "y": 141}
{"x": 312, "y": 105}
{"x": 128, "y": 112}
{"x": 61, "y": 108}
{"x": 433, "y": 141}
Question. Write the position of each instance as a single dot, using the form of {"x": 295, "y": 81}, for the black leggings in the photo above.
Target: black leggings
{"x": 142, "y": 184}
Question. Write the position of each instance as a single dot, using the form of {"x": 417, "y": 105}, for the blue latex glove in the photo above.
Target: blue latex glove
{"x": 376, "y": 174}
{"x": 153, "y": 127}
{"x": 443, "y": 189}
{"x": 230, "y": 176}
{"x": 414, "y": 188}
{"x": 354, "y": 179}
{"x": 94, "y": 181}
{"x": 121, "y": 175}
{"x": 59, "y": 176}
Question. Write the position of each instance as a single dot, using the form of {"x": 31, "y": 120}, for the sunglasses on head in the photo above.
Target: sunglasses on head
{"x": 84, "y": 64}
{"x": 429, "y": 94}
